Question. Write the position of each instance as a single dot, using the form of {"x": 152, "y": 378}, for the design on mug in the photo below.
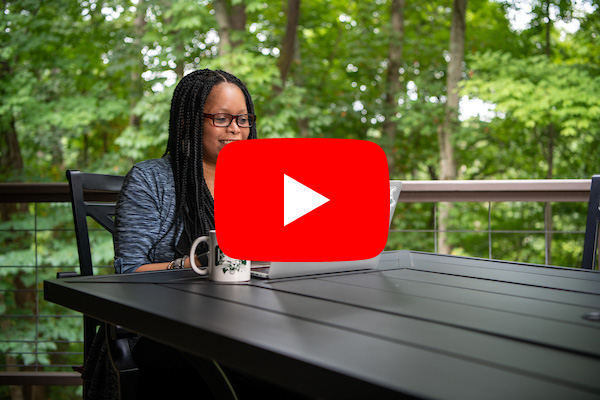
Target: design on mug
{"x": 231, "y": 265}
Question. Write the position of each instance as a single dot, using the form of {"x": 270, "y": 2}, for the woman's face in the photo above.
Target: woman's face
{"x": 223, "y": 98}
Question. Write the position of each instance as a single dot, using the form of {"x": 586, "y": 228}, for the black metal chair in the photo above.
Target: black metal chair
{"x": 93, "y": 195}
{"x": 590, "y": 246}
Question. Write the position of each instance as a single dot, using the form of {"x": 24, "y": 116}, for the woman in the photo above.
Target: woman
{"x": 163, "y": 206}
{"x": 166, "y": 203}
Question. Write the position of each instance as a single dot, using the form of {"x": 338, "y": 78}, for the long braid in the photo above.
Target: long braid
{"x": 194, "y": 202}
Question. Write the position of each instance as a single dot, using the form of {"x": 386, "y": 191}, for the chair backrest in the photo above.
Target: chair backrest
{"x": 590, "y": 245}
{"x": 89, "y": 195}
{"x": 94, "y": 195}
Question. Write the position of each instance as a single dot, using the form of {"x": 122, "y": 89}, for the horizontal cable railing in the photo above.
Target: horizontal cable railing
{"x": 552, "y": 190}
{"x": 51, "y": 339}
{"x": 525, "y": 190}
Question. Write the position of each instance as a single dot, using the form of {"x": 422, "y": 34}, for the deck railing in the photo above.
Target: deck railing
{"x": 34, "y": 196}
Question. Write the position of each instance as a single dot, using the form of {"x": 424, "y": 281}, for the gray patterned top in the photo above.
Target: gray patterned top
{"x": 145, "y": 216}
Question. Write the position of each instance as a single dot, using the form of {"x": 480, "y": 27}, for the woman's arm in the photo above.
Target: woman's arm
{"x": 160, "y": 266}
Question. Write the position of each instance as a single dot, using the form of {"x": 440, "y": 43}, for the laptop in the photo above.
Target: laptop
{"x": 280, "y": 269}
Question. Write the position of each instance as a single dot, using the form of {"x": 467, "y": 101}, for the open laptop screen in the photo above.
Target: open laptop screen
{"x": 279, "y": 269}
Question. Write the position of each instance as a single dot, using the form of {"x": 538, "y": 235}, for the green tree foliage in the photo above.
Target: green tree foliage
{"x": 530, "y": 94}
{"x": 67, "y": 109}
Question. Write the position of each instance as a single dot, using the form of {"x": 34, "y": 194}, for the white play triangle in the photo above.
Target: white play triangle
{"x": 299, "y": 200}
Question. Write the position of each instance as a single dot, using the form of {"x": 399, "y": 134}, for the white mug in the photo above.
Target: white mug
{"x": 221, "y": 268}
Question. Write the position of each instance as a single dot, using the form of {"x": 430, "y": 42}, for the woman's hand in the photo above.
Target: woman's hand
{"x": 188, "y": 264}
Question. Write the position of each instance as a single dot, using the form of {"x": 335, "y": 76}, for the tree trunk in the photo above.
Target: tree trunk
{"x": 230, "y": 19}
{"x": 288, "y": 47}
{"x": 136, "y": 92}
{"x": 11, "y": 160}
{"x": 393, "y": 85}
{"x": 289, "y": 52}
{"x": 179, "y": 46}
{"x": 222, "y": 16}
{"x": 451, "y": 123}
{"x": 180, "y": 66}
{"x": 237, "y": 20}
{"x": 548, "y": 225}
{"x": 548, "y": 27}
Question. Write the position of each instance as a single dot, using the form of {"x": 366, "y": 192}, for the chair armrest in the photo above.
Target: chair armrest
{"x": 66, "y": 274}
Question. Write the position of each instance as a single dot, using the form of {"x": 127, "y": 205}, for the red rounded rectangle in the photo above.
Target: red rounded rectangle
{"x": 250, "y": 199}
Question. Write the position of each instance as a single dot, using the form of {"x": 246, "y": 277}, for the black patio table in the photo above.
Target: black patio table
{"x": 422, "y": 325}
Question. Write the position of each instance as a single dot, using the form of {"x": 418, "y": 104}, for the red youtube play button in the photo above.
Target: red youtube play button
{"x": 302, "y": 199}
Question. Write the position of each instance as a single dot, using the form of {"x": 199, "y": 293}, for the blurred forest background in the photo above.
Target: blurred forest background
{"x": 505, "y": 89}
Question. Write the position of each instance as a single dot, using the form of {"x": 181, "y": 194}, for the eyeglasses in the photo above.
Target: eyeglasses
{"x": 223, "y": 120}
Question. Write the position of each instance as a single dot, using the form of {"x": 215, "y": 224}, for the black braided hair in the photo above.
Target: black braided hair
{"x": 194, "y": 203}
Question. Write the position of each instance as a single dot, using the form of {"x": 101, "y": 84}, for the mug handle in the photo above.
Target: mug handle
{"x": 193, "y": 255}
